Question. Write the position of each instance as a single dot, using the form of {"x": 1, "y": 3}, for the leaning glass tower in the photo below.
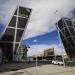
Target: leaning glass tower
{"x": 12, "y": 35}
{"x": 66, "y": 29}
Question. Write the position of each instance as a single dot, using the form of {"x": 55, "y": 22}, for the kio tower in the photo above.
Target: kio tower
{"x": 66, "y": 29}
{"x": 12, "y": 35}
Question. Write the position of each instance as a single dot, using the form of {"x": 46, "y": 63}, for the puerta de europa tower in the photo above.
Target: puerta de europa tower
{"x": 66, "y": 29}
{"x": 12, "y": 35}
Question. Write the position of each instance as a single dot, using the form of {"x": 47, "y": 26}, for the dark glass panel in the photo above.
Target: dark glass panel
{"x": 60, "y": 24}
{"x": 71, "y": 29}
{"x": 15, "y": 12}
{"x": 64, "y": 25}
{"x": 67, "y": 34}
{"x": 74, "y": 24}
{"x": 72, "y": 32}
{"x": 19, "y": 35}
{"x": 7, "y": 49}
{"x": 65, "y": 43}
{"x": 22, "y": 22}
{"x": 73, "y": 37}
{"x": 8, "y": 35}
{"x": 9, "y": 31}
{"x": 7, "y": 38}
{"x": 12, "y": 22}
{"x": 62, "y": 37}
{"x": 70, "y": 41}
{"x": 63, "y": 31}
{"x": 67, "y": 47}
{"x": 69, "y": 23}
{"x": 25, "y": 12}
{"x": 16, "y": 47}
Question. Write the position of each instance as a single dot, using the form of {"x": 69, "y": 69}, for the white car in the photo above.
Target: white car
{"x": 54, "y": 62}
{"x": 60, "y": 63}
{"x": 57, "y": 62}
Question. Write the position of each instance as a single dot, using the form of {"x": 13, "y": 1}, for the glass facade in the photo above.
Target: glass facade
{"x": 66, "y": 31}
{"x": 11, "y": 38}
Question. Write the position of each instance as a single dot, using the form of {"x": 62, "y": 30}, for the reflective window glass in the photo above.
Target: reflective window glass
{"x": 72, "y": 32}
{"x": 62, "y": 37}
{"x": 67, "y": 34}
{"x": 60, "y": 24}
{"x": 69, "y": 23}
{"x": 22, "y": 22}
{"x": 19, "y": 35}
{"x": 25, "y": 12}
{"x": 12, "y": 22}
{"x": 8, "y": 35}
{"x": 7, "y": 49}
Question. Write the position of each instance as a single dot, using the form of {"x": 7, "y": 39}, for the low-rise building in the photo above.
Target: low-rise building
{"x": 49, "y": 54}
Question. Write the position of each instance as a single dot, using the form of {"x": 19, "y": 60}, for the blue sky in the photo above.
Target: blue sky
{"x": 41, "y": 26}
{"x": 45, "y": 41}
{"x": 39, "y": 43}
{"x": 1, "y": 29}
{"x": 48, "y": 38}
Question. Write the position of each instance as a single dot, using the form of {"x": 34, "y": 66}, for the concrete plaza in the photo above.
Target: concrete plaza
{"x": 46, "y": 69}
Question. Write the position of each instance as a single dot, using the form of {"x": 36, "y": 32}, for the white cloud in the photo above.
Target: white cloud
{"x": 38, "y": 49}
{"x": 43, "y": 18}
{"x": 6, "y": 10}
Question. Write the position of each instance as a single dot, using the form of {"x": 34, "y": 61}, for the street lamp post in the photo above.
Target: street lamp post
{"x": 59, "y": 38}
{"x": 35, "y": 41}
{"x": 36, "y": 61}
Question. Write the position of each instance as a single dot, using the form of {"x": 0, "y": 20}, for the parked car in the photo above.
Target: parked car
{"x": 56, "y": 62}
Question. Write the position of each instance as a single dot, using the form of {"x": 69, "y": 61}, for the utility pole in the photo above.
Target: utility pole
{"x": 59, "y": 36}
{"x": 35, "y": 41}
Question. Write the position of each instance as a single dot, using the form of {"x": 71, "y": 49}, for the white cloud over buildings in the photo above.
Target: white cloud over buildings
{"x": 39, "y": 49}
{"x": 43, "y": 17}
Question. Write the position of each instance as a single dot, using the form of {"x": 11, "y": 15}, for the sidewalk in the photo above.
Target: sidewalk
{"x": 43, "y": 70}
{"x": 52, "y": 70}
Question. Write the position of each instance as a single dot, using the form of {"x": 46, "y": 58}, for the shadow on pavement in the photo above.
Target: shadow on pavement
{"x": 19, "y": 65}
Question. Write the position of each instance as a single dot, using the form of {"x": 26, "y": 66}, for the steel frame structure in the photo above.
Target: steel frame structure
{"x": 66, "y": 29}
{"x": 14, "y": 32}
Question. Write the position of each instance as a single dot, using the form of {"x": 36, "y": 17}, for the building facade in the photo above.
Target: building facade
{"x": 49, "y": 54}
{"x": 12, "y": 35}
{"x": 66, "y": 30}
{"x": 22, "y": 52}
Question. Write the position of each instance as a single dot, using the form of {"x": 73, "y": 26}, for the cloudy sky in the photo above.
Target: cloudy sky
{"x": 42, "y": 20}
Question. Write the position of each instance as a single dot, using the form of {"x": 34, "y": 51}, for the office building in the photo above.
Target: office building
{"x": 66, "y": 30}
{"x": 49, "y": 54}
{"x": 13, "y": 33}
